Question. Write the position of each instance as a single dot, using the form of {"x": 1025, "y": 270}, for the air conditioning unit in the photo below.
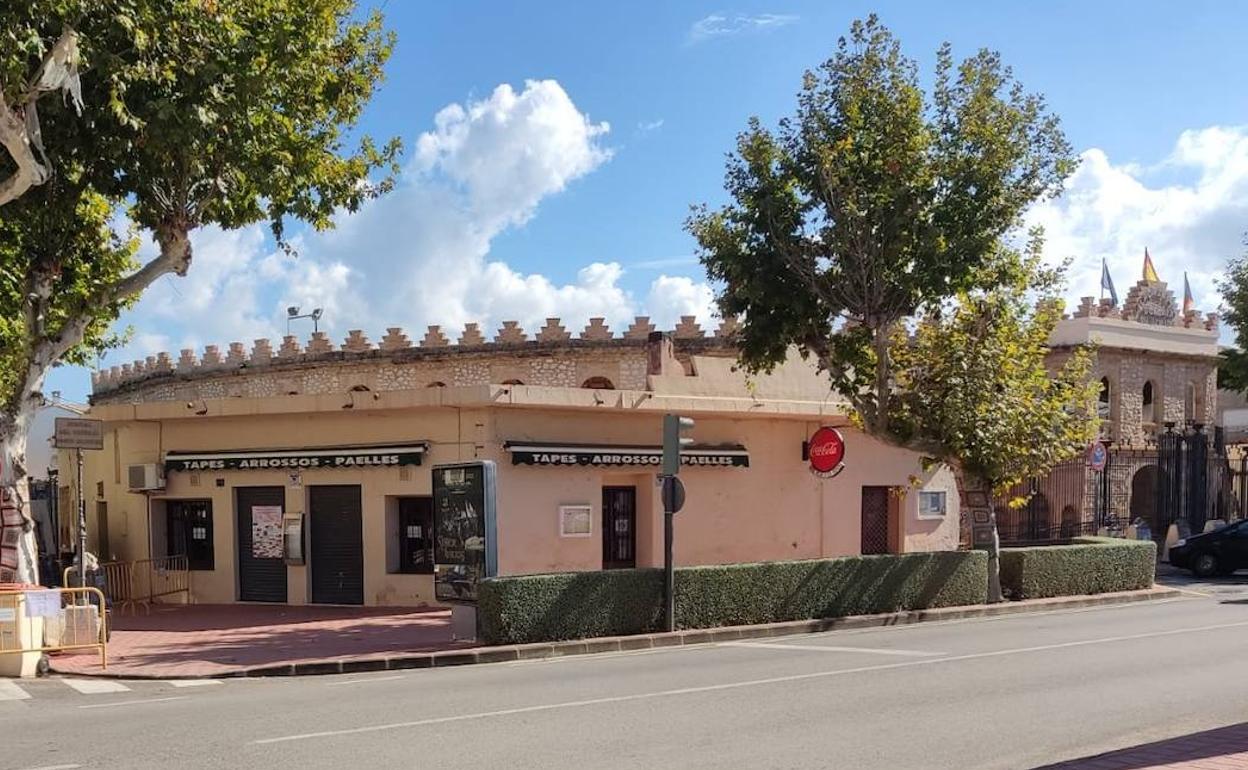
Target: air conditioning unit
{"x": 145, "y": 477}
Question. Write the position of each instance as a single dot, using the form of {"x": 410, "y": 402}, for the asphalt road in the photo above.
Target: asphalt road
{"x": 1010, "y": 692}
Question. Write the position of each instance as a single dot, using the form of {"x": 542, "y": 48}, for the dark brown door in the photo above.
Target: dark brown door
{"x": 337, "y": 545}
{"x": 619, "y": 527}
{"x": 261, "y": 577}
{"x": 874, "y": 520}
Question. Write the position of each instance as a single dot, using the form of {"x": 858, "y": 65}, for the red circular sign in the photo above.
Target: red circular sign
{"x": 827, "y": 450}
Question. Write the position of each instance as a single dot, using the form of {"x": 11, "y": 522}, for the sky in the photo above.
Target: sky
{"x": 553, "y": 150}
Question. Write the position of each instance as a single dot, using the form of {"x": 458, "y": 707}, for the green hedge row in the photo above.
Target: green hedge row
{"x": 1090, "y": 565}
{"x": 537, "y": 608}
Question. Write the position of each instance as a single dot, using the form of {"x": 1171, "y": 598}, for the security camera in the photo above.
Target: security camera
{"x": 292, "y": 311}
{"x": 316, "y": 314}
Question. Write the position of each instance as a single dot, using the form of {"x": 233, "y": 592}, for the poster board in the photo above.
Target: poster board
{"x": 266, "y": 532}
{"x": 465, "y": 529}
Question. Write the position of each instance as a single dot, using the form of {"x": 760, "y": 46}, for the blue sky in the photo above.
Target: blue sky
{"x": 553, "y": 150}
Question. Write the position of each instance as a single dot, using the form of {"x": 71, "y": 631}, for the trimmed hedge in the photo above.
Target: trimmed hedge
{"x": 1089, "y": 565}
{"x": 540, "y": 608}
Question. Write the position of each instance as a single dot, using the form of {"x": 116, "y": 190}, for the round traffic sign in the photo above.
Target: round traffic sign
{"x": 673, "y": 494}
{"x": 1098, "y": 456}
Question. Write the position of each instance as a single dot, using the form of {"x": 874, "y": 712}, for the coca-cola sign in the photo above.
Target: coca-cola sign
{"x": 826, "y": 450}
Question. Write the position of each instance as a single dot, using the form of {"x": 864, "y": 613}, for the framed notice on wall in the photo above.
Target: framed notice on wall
{"x": 576, "y": 520}
{"x": 266, "y": 532}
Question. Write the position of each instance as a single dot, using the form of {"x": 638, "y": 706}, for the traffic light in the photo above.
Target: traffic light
{"x": 673, "y": 426}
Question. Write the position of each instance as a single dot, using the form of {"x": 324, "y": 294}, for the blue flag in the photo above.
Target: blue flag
{"x": 1107, "y": 283}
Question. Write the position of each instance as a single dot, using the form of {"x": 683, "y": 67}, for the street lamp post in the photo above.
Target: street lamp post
{"x": 292, "y": 314}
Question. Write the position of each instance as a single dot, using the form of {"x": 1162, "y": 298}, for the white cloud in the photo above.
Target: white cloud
{"x": 420, "y": 255}
{"x": 673, "y": 296}
{"x": 511, "y": 150}
{"x": 718, "y": 25}
{"x": 1190, "y": 209}
{"x": 646, "y": 126}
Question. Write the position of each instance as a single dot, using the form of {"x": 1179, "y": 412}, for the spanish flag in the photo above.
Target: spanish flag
{"x": 1150, "y": 272}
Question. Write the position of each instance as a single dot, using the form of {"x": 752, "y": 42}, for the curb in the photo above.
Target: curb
{"x": 542, "y": 650}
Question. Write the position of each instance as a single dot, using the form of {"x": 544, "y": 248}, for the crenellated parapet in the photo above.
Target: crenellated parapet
{"x": 510, "y": 342}
{"x": 1151, "y": 303}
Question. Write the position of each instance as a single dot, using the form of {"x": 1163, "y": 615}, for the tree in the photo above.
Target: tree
{"x": 974, "y": 387}
{"x": 1233, "y": 367}
{"x": 873, "y": 204}
{"x": 194, "y": 112}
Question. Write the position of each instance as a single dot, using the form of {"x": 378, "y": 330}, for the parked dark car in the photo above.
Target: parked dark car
{"x": 1219, "y": 552}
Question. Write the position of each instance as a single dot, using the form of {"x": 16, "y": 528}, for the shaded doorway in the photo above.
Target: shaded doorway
{"x": 619, "y": 527}
{"x": 1144, "y": 498}
{"x": 261, "y": 575}
{"x": 874, "y": 520}
{"x": 337, "y": 552}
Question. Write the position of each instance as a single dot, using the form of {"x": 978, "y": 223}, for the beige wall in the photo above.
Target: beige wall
{"x": 452, "y": 433}
{"x": 775, "y": 509}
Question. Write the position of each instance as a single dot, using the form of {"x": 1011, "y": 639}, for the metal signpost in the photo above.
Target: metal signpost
{"x": 673, "y": 501}
{"x": 77, "y": 433}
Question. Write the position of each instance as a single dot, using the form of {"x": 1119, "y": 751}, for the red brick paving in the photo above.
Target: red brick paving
{"x": 212, "y": 640}
{"x": 1222, "y": 749}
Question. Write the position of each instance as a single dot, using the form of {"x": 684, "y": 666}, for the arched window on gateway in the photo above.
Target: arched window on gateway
{"x": 1148, "y": 410}
{"x": 1104, "y": 408}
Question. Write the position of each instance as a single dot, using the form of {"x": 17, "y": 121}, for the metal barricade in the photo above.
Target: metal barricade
{"x": 140, "y": 582}
{"x": 74, "y": 619}
{"x": 166, "y": 576}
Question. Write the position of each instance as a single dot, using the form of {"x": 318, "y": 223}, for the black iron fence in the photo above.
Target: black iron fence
{"x": 1184, "y": 476}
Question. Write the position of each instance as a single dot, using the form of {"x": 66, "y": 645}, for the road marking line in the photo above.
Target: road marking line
{"x": 10, "y": 691}
{"x": 193, "y": 682}
{"x": 95, "y": 686}
{"x": 821, "y": 648}
{"x": 132, "y": 702}
{"x": 366, "y": 681}
{"x": 736, "y": 685}
{"x": 56, "y": 767}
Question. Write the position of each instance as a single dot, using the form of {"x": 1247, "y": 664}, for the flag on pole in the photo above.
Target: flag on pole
{"x": 1189, "y": 303}
{"x": 1150, "y": 272}
{"x": 1107, "y": 283}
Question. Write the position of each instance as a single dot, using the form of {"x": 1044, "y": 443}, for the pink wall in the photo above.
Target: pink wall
{"x": 775, "y": 509}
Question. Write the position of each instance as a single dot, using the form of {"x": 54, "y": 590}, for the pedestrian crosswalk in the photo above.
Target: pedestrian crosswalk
{"x": 13, "y": 691}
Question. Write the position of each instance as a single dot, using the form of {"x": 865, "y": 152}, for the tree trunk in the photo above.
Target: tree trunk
{"x": 883, "y": 377}
{"x": 19, "y": 555}
{"x": 982, "y": 516}
{"x": 994, "y": 559}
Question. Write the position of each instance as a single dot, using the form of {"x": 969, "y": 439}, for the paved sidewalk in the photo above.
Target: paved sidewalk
{"x": 177, "y": 642}
{"x": 1224, "y": 749}
{"x": 214, "y": 640}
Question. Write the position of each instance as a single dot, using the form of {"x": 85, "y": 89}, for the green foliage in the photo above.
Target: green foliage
{"x": 65, "y": 236}
{"x": 197, "y": 112}
{"x": 535, "y": 608}
{"x": 222, "y": 112}
{"x": 1090, "y": 565}
{"x": 877, "y": 209}
{"x": 1233, "y": 368}
{"x": 974, "y": 383}
{"x": 873, "y": 200}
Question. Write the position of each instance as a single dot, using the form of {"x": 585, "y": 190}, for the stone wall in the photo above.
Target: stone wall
{"x": 1175, "y": 379}
{"x": 551, "y": 358}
